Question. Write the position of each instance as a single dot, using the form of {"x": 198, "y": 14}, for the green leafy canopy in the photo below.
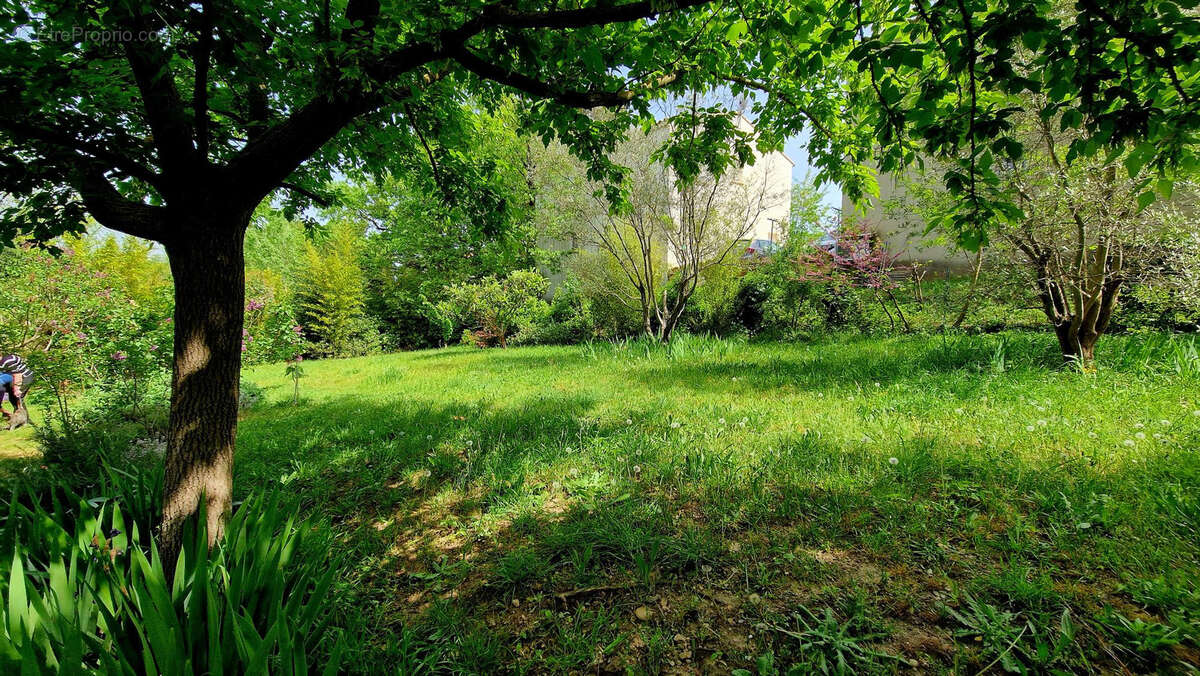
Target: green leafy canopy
{"x": 144, "y": 114}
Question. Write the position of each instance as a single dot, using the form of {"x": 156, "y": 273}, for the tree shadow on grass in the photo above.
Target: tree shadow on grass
{"x": 480, "y": 526}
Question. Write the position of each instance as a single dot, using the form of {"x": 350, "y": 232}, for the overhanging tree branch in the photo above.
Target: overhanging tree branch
{"x": 113, "y": 210}
{"x": 544, "y": 90}
{"x": 273, "y": 156}
{"x": 66, "y": 141}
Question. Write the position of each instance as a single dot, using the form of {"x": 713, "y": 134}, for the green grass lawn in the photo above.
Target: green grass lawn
{"x": 903, "y": 504}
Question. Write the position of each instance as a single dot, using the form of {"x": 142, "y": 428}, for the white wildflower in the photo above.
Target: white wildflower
{"x": 1129, "y": 442}
{"x": 1164, "y": 423}
{"x": 959, "y": 411}
{"x": 893, "y": 460}
{"x": 1042, "y": 422}
{"x": 1029, "y": 428}
{"x": 1140, "y": 435}
{"x": 675, "y": 425}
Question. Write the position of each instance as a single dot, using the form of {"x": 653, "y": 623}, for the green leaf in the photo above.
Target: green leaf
{"x": 736, "y": 30}
{"x": 1138, "y": 157}
{"x": 18, "y": 605}
{"x": 1145, "y": 199}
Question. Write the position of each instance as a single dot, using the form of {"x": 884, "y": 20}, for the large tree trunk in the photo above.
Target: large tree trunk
{"x": 209, "y": 273}
{"x": 1078, "y": 347}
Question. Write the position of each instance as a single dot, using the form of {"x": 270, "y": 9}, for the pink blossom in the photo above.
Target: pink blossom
{"x": 120, "y": 356}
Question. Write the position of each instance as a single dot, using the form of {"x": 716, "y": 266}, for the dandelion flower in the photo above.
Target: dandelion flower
{"x": 1029, "y": 428}
{"x": 629, "y": 421}
{"x": 1092, "y": 435}
{"x": 877, "y": 385}
{"x": 1042, "y": 422}
{"x": 428, "y": 437}
{"x": 1140, "y": 435}
{"x": 1129, "y": 442}
{"x": 1164, "y": 423}
{"x": 893, "y": 460}
{"x": 1196, "y": 413}
{"x": 1138, "y": 425}
{"x": 470, "y": 443}
{"x": 959, "y": 411}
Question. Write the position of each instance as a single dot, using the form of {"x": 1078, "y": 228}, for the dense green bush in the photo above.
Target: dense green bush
{"x": 492, "y": 308}
{"x": 86, "y": 591}
{"x": 1150, "y": 308}
{"x": 569, "y": 319}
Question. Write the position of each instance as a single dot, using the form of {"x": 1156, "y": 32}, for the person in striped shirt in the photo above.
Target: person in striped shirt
{"x": 15, "y": 378}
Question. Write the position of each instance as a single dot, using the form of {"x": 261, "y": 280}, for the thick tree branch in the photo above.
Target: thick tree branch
{"x": 164, "y": 108}
{"x": 202, "y": 51}
{"x": 114, "y": 211}
{"x": 272, "y": 157}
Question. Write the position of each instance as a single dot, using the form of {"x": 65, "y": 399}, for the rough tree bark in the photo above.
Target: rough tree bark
{"x": 209, "y": 275}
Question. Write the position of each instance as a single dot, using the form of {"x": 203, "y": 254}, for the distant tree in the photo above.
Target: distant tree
{"x": 138, "y": 265}
{"x": 420, "y": 239}
{"x": 276, "y": 243}
{"x": 808, "y": 211}
{"x": 496, "y": 307}
{"x": 332, "y": 290}
{"x": 1087, "y": 229}
{"x": 674, "y": 229}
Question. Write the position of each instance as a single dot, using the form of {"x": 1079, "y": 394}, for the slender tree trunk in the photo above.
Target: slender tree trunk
{"x": 899, "y": 312}
{"x": 966, "y": 306}
{"x": 209, "y": 274}
{"x": 886, "y": 311}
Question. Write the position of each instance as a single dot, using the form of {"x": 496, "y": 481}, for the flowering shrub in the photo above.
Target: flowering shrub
{"x": 855, "y": 258}
{"x": 270, "y": 333}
